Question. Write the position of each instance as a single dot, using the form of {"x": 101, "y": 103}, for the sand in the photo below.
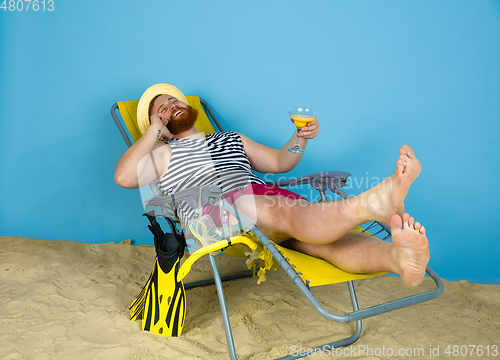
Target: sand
{"x": 69, "y": 300}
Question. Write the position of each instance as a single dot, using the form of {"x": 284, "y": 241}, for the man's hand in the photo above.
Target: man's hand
{"x": 310, "y": 131}
{"x": 159, "y": 124}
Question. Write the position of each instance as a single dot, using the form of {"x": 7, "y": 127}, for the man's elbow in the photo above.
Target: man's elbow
{"x": 125, "y": 181}
{"x": 284, "y": 168}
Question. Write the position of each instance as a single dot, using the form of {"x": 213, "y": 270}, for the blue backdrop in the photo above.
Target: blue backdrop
{"x": 380, "y": 74}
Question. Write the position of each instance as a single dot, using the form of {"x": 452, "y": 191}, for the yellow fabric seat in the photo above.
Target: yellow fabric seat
{"x": 312, "y": 270}
{"x": 317, "y": 272}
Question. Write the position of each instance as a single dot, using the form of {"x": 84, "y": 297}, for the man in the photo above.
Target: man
{"x": 172, "y": 152}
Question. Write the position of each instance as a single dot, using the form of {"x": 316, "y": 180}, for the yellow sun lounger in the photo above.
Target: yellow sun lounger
{"x": 304, "y": 271}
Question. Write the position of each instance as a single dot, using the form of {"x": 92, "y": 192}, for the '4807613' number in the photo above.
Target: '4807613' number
{"x": 27, "y": 5}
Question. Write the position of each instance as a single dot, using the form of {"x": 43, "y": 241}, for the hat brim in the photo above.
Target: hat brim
{"x": 143, "y": 106}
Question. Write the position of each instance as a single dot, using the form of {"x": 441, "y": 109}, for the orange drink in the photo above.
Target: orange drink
{"x": 302, "y": 120}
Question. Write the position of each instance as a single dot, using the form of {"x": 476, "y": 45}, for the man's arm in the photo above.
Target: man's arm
{"x": 269, "y": 160}
{"x": 146, "y": 159}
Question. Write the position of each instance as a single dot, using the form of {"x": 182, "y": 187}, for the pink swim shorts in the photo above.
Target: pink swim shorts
{"x": 252, "y": 189}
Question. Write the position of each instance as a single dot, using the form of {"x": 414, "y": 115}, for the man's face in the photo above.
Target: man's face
{"x": 181, "y": 117}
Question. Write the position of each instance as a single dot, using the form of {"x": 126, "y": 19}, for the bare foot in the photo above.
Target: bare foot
{"x": 411, "y": 249}
{"x": 407, "y": 170}
{"x": 387, "y": 198}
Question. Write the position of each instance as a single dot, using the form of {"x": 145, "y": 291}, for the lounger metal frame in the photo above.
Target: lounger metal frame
{"x": 321, "y": 181}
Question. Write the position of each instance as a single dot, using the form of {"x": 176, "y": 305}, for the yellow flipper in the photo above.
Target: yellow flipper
{"x": 161, "y": 303}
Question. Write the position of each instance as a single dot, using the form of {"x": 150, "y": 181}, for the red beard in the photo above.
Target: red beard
{"x": 184, "y": 121}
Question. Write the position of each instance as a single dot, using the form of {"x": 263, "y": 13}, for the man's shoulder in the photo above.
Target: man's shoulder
{"x": 163, "y": 147}
{"x": 224, "y": 135}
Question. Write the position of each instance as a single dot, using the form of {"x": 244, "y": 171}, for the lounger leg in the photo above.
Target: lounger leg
{"x": 327, "y": 348}
{"x": 355, "y": 306}
{"x": 223, "y": 308}
{"x": 194, "y": 284}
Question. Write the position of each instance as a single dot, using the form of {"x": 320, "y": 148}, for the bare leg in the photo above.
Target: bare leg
{"x": 407, "y": 255}
{"x": 321, "y": 223}
{"x": 353, "y": 252}
{"x": 323, "y": 229}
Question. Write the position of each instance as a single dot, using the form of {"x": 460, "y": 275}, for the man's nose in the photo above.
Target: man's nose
{"x": 172, "y": 110}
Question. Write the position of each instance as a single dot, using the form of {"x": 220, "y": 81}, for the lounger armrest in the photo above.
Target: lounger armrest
{"x": 320, "y": 181}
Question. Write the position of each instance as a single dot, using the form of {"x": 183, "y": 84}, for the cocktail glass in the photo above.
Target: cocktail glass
{"x": 301, "y": 116}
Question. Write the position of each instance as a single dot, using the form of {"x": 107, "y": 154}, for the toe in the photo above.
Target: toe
{"x": 396, "y": 222}
{"x": 400, "y": 166}
{"x": 411, "y": 222}
{"x": 422, "y": 230}
{"x": 408, "y": 151}
{"x": 417, "y": 226}
{"x": 406, "y": 219}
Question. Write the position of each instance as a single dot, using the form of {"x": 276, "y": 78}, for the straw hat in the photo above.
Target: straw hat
{"x": 151, "y": 92}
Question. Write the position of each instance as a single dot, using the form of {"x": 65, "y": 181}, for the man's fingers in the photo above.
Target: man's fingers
{"x": 311, "y": 130}
{"x": 162, "y": 118}
{"x": 313, "y": 125}
{"x": 308, "y": 134}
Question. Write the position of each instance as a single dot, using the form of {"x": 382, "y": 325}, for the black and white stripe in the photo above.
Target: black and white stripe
{"x": 218, "y": 159}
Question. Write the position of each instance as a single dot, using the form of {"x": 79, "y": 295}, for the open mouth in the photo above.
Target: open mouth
{"x": 177, "y": 113}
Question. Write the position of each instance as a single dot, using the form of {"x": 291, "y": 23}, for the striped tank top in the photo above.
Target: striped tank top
{"x": 218, "y": 159}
